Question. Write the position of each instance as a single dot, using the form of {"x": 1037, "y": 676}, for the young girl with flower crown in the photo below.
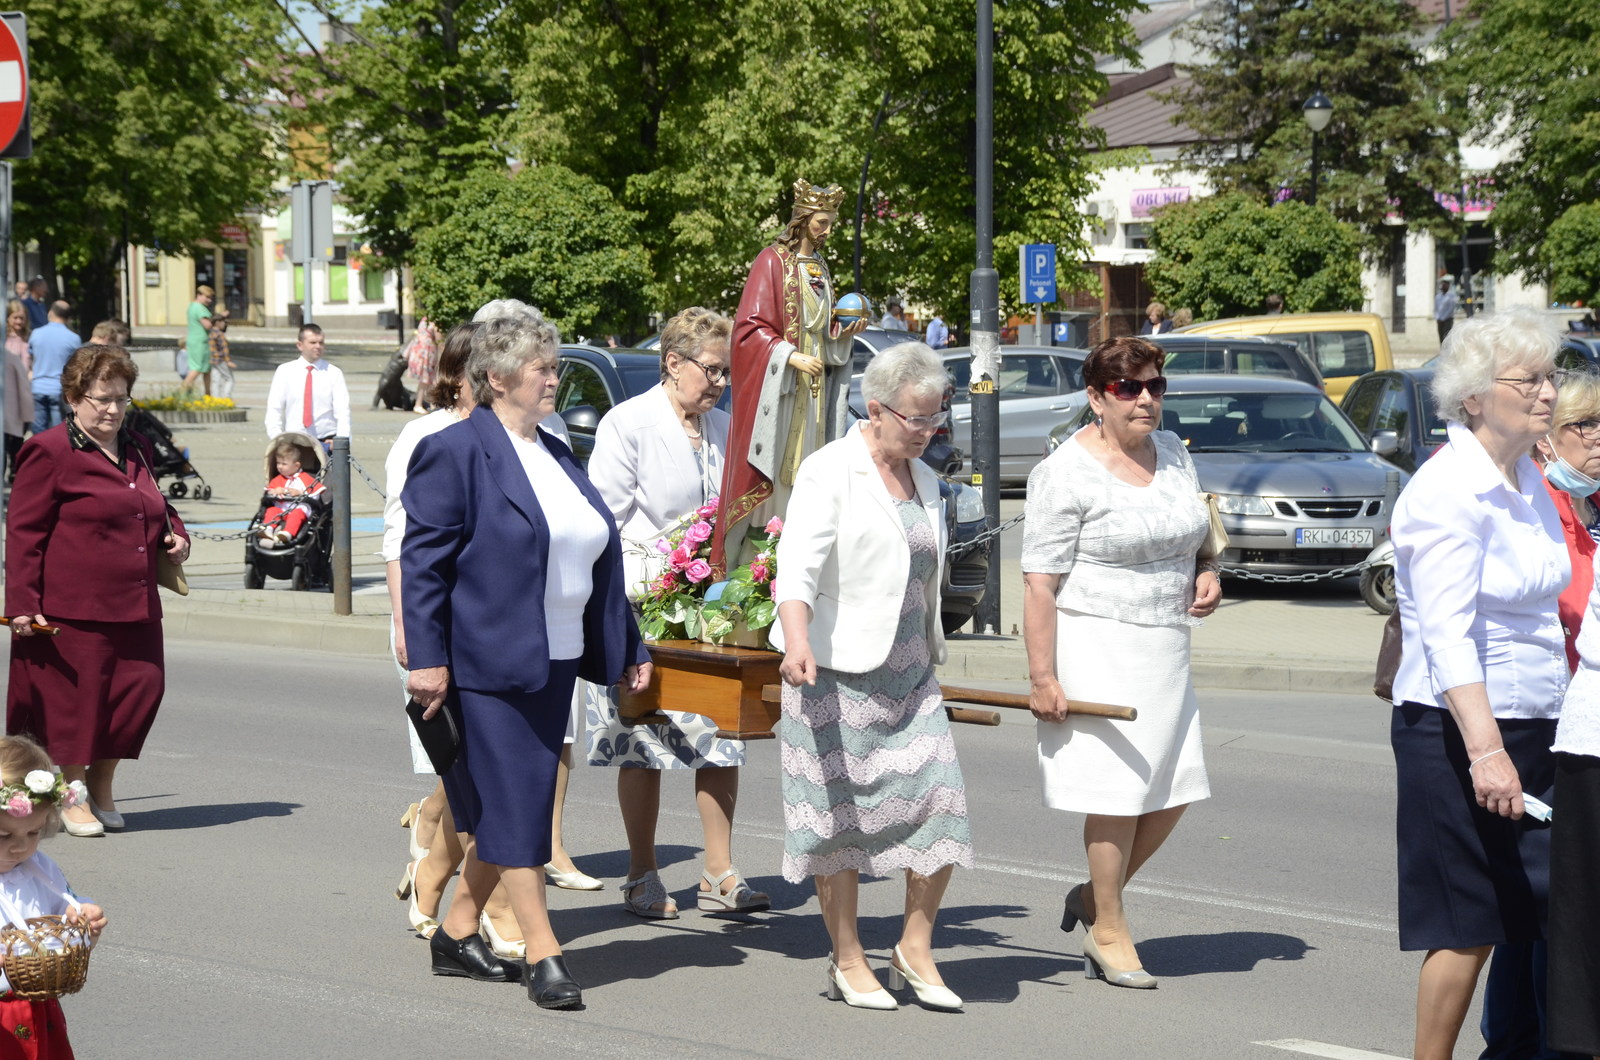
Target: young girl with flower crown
{"x": 32, "y": 796}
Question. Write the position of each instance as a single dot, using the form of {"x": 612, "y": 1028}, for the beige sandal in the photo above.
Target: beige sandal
{"x": 742, "y": 899}
{"x": 641, "y": 896}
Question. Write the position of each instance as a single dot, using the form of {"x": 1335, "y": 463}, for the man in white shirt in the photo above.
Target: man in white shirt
{"x": 894, "y": 319}
{"x": 308, "y": 393}
{"x": 1444, "y": 308}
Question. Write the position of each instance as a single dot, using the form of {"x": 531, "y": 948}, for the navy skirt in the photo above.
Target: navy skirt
{"x": 1468, "y": 877}
{"x": 502, "y": 787}
{"x": 1574, "y": 990}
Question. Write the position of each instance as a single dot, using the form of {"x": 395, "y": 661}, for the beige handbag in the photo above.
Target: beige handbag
{"x": 1216, "y": 537}
{"x": 169, "y": 572}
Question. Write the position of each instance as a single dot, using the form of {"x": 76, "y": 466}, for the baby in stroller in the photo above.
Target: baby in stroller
{"x": 293, "y": 490}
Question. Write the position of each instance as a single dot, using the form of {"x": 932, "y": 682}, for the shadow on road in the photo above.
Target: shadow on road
{"x": 206, "y": 816}
{"x": 1229, "y": 951}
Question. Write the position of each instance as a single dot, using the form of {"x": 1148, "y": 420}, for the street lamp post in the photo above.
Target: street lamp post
{"x": 1318, "y": 111}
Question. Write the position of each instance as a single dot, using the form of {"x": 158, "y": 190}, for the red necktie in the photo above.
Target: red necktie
{"x": 305, "y": 402}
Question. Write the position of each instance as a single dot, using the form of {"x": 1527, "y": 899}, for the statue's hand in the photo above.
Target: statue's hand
{"x": 855, "y": 329}
{"x": 811, "y": 366}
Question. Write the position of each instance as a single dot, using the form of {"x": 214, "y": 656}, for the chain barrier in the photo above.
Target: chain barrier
{"x": 368, "y": 479}
{"x": 983, "y": 539}
{"x": 1292, "y": 579}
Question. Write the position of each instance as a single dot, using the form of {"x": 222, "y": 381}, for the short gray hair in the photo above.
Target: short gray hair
{"x": 510, "y": 307}
{"x": 503, "y": 345}
{"x": 1480, "y": 348}
{"x": 905, "y": 366}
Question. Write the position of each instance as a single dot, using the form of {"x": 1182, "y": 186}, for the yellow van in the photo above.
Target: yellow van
{"x": 1344, "y": 346}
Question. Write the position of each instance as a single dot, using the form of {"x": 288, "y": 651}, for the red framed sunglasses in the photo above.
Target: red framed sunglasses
{"x": 1130, "y": 389}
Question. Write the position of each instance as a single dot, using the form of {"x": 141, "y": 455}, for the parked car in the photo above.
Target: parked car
{"x": 1235, "y": 355}
{"x": 1039, "y": 385}
{"x": 1394, "y": 411}
{"x": 1298, "y": 488}
{"x": 593, "y": 380}
{"x": 1580, "y": 352}
{"x": 873, "y": 339}
{"x": 1343, "y": 346}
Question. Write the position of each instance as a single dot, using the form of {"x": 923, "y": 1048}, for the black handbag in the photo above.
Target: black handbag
{"x": 1388, "y": 658}
{"x": 439, "y": 735}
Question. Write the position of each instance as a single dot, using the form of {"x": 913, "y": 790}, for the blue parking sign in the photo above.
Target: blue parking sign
{"x": 1038, "y": 273}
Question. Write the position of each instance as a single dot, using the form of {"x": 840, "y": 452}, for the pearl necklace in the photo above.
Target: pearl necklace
{"x": 699, "y": 428}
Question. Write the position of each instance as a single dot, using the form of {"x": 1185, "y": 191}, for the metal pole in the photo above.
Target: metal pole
{"x": 1313, "y": 167}
{"x": 339, "y": 480}
{"x": 985, "y": 323}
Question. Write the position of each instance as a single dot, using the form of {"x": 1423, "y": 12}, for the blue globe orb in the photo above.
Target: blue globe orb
{"x": 851, "y": 308}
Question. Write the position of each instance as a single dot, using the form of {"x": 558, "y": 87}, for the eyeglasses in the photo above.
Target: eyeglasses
{"x": 921, "y": 423}
{"x": 1529, "y": 385}
{"x": 122, "y": 401}
{"x": 1130, "y": 389}
{"x": 714, "y": 375}
{"x": 1588, "y": 430}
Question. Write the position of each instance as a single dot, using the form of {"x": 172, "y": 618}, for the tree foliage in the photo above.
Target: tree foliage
{"x": 148, "y": 128}
{"x": 1571, "y": 254}
{"x": 1223, "y": 254}
{"x": 1391, "y": 143}
{"x": 701, "y": 116}
{"x": 547, "y": 236}
{"x": 1534, "y": 78}
{"x": 411, "y": 102}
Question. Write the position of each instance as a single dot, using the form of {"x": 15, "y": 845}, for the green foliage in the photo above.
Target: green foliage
{"x": 546, "y": 236}
{"x": 148, "y": 127}
{"x": 1392, "y": 140}
{"x": 1571, "y": 254}
{"x": 1535, "y": 77}
{"x": 412, "y": 104}
{"x": 1223, "y": 254}
{"x": 702, "y": 115}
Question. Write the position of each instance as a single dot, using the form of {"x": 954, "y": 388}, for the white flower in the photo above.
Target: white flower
{"x": 76, "y": 795}
{"x": 39, "y": 781}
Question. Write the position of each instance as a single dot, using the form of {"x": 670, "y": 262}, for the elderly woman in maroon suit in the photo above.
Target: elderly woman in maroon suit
{"x": 86, "y": 525}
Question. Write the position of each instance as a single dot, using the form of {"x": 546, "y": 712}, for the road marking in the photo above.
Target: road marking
{"x": 1333, "y": 1052}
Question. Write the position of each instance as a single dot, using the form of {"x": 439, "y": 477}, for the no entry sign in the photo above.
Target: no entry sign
{"x": 15, "y": 141}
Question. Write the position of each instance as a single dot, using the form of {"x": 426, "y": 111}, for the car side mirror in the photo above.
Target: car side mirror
{"x": 584, "y": 418}
{"x": 1385, "y": 443}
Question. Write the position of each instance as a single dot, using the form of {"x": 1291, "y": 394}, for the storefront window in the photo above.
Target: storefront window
{"x": 339, "y": 275}
{"x": 371, "y": 284}
{"x": 235, "y": 290}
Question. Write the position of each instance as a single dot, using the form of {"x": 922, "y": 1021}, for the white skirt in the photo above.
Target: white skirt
{"x": 1121, "y": 768}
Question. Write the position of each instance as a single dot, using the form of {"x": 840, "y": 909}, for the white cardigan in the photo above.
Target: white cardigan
{"x": 645, "y": 469}
{"x": 844, "y": 554}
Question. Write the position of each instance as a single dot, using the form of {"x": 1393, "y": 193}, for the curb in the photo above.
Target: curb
{"x": 367, "y": 635}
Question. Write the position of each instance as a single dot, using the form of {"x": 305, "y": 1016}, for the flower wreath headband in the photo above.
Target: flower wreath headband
{"x": 42, "y": 787}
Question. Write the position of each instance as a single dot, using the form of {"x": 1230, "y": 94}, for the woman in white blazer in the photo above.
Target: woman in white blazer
{"x": 658, "y": 457}
{"x": 870, "y": 777}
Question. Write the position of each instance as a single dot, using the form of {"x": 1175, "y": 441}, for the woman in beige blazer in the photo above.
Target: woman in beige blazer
{"x": 870, "y": 777}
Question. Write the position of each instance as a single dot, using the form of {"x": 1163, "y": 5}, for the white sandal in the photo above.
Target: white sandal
{"x": 742, "y": 899}
{"x": 641, "y": 896}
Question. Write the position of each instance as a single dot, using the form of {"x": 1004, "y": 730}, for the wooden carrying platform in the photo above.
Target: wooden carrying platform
{"x": 739, "y": 690}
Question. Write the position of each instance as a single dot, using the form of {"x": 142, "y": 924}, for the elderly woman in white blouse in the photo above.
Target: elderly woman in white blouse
{"x": 1111, "y": 589}
{"x": 657, "y": 458}
{"x": 1480, "y": 560}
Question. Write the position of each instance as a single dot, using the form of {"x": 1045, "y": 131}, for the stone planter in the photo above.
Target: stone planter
{"x": 170, "y": 416}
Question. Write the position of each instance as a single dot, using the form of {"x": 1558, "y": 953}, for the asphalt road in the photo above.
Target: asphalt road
{"x": 252, "y": 915}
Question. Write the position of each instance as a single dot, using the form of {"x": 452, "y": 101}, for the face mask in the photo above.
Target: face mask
{"x": 1563, "y": 476}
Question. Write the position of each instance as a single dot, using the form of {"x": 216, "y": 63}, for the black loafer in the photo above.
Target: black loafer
{"x": 472, "y": 958}
{"x": 550, "y": 985}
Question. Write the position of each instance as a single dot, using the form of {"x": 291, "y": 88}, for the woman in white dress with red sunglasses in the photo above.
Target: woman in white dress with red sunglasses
{"x": 1112, "y": 588}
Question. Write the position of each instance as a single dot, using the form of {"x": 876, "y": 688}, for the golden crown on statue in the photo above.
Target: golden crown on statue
{"x": 809, "y": 198}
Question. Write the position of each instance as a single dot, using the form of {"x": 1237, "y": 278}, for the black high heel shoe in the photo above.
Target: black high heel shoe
{"x": 470, "y": 957}
{"x": 550, "y": 985}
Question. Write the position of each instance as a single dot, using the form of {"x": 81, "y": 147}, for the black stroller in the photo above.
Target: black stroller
{"x": 305, "y": 560}
{"x": 170, "y": 461}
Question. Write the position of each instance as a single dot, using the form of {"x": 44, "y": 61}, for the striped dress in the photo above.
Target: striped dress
{"x": 870, "y": 777}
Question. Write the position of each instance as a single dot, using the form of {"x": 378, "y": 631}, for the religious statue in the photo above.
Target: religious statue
{"x": 791, "y": 372}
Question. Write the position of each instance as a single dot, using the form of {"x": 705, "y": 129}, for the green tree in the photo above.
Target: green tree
{"x": 149, "y": 127}
{"x": 701, "y": 117}
{"x": 1571, "y": 254}
{"x": 409, "y": 100}
{"x": 1391, "y": 143}
{"x": 1535, "y": 77}
{"x": 1223, "y": 254}
{"x": 545, "y": 235}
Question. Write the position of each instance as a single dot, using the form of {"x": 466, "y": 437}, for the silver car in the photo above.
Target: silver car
{"x": 1039, "y": 386}
{"x": 1298, "y": 487}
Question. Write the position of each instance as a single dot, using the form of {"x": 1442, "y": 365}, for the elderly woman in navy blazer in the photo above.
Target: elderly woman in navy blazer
{"x": 505, "y": 607}
{"x": 870, "y": 777}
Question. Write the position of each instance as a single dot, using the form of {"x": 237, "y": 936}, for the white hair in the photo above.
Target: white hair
{"x": 904, "y": 366}
{"x": 511, "y": 307}
{"x": 1482, "y": 347}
